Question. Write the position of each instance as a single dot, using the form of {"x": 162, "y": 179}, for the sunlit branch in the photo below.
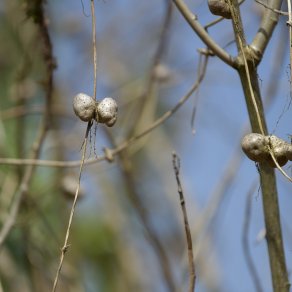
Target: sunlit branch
{"x": 203, "y": 35}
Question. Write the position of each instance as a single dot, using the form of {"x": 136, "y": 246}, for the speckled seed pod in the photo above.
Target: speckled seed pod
{"x": 289, "y": 151}
{"x": 106, "y": 111}
{"x": 84, "y": 107}
{"x": 255, "y": 147}
{"x": 279, "y": 148}
{"x": 219, "y": 7}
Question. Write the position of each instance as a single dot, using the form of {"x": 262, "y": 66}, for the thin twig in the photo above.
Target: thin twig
{"x": 66, "y": 245}
{"x": 84, "y": 145}
{"x": 245, "y": 232}
{"x": 203, "y": 35}
{"x": 152, "y": 78}
{"x": 192, "y": 271}
{"x": 284, "y": 13}
{"x": 219, "y": 19}
{"x": 196, "y": 99}
{"x": 94, "y": 48}
{"x": 123, "y": 145}
{"x": 137, "y": 202}
{"x": 241, "y": 43}
{"x": 47, "y": 53}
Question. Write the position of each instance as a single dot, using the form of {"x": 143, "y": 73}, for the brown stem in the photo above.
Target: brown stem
{"x": 249, "y": 80}
{"x": 192, "y": 270}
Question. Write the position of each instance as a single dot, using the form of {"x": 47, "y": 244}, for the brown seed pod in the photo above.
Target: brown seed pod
{"x": 84, "y": 107}
{"x": 219, "y": 7}
{"x": 106, "y": 111}
{"x": 254, "y": 145}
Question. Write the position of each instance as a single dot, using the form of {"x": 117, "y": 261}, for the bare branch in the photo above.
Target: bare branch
{"x": 122, "y": 146}
{"x": 137, "y": 202}
{"x": 152, "y": 78}
{"x": 249, "y": 81}
{"x": 265, "y": 31}
{"x": 203, "y": 35}
{"x": 48, "y": 59}
{"x": 66, "y": 245}
{"x": 192, "y": 279}
{"x": 272, "y": 9}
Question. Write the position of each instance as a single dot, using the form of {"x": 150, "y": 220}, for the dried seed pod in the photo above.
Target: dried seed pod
{"x": 279, "y": 148}
{"x": 289, "y": 151}
{"x": 106, "y": 111}
{"x": 254, "y": 145}
{"x": 219, "y": 7}
{"x": 84, "y": 107}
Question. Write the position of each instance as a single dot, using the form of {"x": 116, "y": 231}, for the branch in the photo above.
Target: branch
{"x": 137, "y": 202}
{"x": 39, "y": 19}
{"x": 152, "y": 76}
{"x": 272, "y": 9}
{"x": 265, "y": 31}
{"x": 192, "y": 279}
{"x": 203, "y": 35}
{"x": 110, "y": 153}
{"x": 249, "y": 80}
{"x": 66, "y": 245}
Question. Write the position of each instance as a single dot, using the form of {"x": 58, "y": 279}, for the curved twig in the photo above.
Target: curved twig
{"x": 203, "y": 35}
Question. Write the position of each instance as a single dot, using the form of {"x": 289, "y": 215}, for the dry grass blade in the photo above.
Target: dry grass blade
{"x": 192, "y": 277}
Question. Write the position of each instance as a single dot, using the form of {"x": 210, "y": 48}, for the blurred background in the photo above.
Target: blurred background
{"x": 128, "y": 232}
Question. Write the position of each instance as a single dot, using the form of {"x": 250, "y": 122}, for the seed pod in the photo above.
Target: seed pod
{"x": 219, "y": 7}
{"x": 254, "y": 145}
{"x": 84, "y": 107}
{"x": 106, "y": 111}
{"x": 289, "y": 151}
{"x": 279, "y": 148}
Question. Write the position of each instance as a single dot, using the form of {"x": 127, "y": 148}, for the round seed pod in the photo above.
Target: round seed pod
{"x": 279, "y": 148}
{"x": 84, "y": 107}
{"x": 106, "y": 111}
{"x": 254, "y": 145}
{"x": 220, "y": 8}
{"x": 289, "y": 151}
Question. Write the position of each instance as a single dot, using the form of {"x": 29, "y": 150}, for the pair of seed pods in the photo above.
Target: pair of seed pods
{"x": 258, "y": 147}
{"x": 103, "y": 111}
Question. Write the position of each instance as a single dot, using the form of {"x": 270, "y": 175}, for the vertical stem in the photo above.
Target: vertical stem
{"x": 248, "y": 76}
